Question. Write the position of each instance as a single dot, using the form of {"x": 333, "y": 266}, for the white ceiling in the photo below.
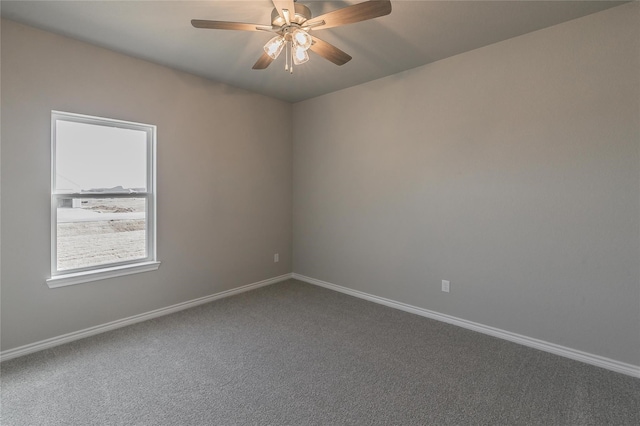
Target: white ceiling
{"x": 414, "y": 34}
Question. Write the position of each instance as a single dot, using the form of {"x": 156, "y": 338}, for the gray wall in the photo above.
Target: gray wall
{"x": 224, "y": 182}
{"x": 512, "y": 170}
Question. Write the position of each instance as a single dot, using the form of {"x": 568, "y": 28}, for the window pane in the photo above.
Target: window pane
{"x": 95, "y": 158}
{"x": 98, "y": 231}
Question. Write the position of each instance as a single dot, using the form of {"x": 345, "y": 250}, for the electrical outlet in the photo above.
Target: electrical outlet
{"x": 276, "y": 258}
{"x": 445, "y": 286}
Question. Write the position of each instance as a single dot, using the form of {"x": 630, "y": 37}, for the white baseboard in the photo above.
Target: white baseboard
{"x": 76, "y": 335}
{"x": 599, "y": 361}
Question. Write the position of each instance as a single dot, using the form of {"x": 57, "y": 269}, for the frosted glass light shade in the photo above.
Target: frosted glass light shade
{"x": 300, "y": 56}
{"x": 302, "y": 39}
{"x": 274, "y": 46}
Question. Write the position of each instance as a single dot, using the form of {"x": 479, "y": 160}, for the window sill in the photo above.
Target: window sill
{"x": 101, "y": 274}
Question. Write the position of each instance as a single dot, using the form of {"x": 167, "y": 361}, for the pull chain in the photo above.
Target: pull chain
{"x": 286, "y": 56}
{"x": 290, "y": 49}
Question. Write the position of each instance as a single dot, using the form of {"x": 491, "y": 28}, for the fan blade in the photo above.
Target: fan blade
{"x": 224, "y": 25}
{"x": 350, "y": 14}
{"x": 281, "y": 5}
{"x": 262, "y": 63}
{"x": 329, "y": 52}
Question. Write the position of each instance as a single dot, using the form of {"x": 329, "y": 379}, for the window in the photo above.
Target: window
{"x": 102, "y": 198}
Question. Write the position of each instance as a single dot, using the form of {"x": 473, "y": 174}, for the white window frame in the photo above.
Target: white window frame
{"x": 99, "y": 272}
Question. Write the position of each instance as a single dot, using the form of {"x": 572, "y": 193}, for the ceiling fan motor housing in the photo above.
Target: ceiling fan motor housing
{"x": 301, "y": 15}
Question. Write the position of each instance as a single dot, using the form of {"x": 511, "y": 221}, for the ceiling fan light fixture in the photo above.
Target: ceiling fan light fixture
{"x": 291, "y": 23}
{"x": 274, "y": 46}
{"x": 300, "y": 55}
{"x": 302, "y": 39}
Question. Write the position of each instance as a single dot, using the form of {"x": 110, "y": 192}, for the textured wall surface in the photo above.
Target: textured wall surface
{"x": 512, "y": 171}
{"x": 224, "y": 182}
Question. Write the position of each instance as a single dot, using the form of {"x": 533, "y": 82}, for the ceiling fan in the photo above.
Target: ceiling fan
{"x": 291, "y": 23}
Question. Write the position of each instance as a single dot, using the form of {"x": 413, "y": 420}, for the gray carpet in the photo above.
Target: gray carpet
{"x": 295, "y": 354}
